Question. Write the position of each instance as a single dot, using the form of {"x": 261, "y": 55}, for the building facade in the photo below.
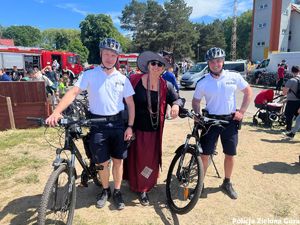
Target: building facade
{"x": 275, "y": 27}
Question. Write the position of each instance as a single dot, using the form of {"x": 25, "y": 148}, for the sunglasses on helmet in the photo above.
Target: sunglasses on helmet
{"x": 159, "y": 64}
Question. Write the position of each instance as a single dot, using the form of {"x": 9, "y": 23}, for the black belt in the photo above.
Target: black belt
{"x": 113, "y": 118}
{"x": 221, "y": 117}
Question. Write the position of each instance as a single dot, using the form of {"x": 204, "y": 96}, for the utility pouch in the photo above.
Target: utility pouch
{"x": 239, "y": 124}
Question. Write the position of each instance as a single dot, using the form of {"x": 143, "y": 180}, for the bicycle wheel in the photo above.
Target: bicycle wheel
{"x": 185, "y": 181}
{"x": 59, "y": 197}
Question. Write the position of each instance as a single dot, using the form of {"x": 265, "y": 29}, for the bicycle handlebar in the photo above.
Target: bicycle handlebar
{"x": 67, "y": 121}
{"x": 203, "y": 120}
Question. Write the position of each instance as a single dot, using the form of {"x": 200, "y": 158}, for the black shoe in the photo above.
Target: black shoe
{"x": 118, "y": 200}
{"x": 289, "y": 134}
{"x": 144, "y": 199}
{"x": 228, "y": 189}
{"x": 103, "y": 197}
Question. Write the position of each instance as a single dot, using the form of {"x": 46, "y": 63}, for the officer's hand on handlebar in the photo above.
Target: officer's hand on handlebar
{"x": 53, "y": 119}
{"x": 174, "y": 111}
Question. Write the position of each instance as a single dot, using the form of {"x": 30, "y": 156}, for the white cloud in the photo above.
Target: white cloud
{"x": 40, "y": 1}
{"x": 115, "y": 17}
{"x": 73, "y": 8}
{"x": 216, "y": 8}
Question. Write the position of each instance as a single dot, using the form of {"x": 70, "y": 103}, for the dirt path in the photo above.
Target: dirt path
{"x": 266, "y": 177}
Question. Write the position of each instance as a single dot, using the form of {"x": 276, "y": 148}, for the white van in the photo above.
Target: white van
{"x": 190, "y": 78}
{"x": 270, "y": 65}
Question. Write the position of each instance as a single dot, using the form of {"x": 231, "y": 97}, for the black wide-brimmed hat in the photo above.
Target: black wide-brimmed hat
{"x": 148, "y": 56}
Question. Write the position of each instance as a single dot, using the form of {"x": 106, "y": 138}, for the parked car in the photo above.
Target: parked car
{"x": 190, "y": 78}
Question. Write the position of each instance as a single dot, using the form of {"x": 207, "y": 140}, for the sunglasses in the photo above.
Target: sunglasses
{"x": 159, "y": 64}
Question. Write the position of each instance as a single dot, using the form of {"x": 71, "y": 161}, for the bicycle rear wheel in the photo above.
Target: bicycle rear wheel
{"x": 184, "y": 181}
{"x": 59, "y": 197}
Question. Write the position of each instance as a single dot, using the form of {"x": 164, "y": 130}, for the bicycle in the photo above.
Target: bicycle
{"x": 185, "y": 175}
{"x": 59, "y": 196}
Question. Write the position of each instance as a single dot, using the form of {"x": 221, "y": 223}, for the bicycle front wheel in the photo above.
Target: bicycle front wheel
{"x": 184, "y": 181}
{"x": 59, "y": 197}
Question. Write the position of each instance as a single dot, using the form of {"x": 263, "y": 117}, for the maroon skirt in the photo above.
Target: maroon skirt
{"x": 141, "y": 168}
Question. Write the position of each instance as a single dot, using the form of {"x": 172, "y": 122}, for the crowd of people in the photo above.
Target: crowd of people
{"x": 55, "y": 83}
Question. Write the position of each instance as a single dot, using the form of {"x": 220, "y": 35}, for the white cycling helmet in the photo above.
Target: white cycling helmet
{"x": 214, "y": 53}
{"x": 111, "y": 44}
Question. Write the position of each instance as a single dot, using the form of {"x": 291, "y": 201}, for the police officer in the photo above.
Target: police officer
{"x": 106, "y": 88}
{"x": 218, "y": 88}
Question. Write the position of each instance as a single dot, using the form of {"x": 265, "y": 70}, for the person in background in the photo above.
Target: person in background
{"x": 263, "y": 97}
{"x": 52, "y": 75}
{"x": 4, "y": 76}
{"x": 168, "y": 75}
{"x": 107, "y": 89}
{"x": 61, "y": 88}
{"x": 293, "y": 102}
{"x": 152, "y": 94}
{"x": 15, "y": 74}
{"x": 291, "y": 134}
{"x": 55, "y": 65}
{"x": 218, "y": 87}
{"x": 280, "y": 77}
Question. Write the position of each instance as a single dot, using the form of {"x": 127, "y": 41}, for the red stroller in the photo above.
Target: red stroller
{"x": 270, "y": 108}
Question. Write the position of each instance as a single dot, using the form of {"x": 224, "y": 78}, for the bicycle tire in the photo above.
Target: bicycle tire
{"x": 62, "y": 208}
{"x": 182, "y": 192}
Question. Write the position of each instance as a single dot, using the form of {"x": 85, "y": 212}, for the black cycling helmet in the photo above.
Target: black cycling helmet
{"x": 214, "y": 53}
{"x": 111, "y": 44}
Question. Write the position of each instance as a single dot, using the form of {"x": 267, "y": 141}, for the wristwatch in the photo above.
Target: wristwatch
{"x": 131, "y": 126}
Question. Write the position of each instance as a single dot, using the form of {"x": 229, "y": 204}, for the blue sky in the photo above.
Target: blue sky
{"x": 45, "y": 14}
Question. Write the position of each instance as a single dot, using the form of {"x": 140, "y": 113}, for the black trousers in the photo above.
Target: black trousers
{"x": 279, "y": 84}
{"x": 291, "y": 110}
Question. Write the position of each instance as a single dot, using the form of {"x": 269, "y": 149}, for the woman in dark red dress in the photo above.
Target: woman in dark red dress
{"x": 152, "y": 94}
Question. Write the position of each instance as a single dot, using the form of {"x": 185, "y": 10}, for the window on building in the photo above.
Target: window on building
{"x": 263, "y": 6}
{"x": 258, "y": 43}
{"x": 290, "y": 35}
{"x": 262, "y": 43}
{"x": 262, "y": 25}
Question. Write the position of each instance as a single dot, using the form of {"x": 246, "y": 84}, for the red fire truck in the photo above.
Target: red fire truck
{"x": 128, "y": 60}
{"x": 26, "y": 57}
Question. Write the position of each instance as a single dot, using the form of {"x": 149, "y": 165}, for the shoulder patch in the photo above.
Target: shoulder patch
{"x": 200, "y": 79}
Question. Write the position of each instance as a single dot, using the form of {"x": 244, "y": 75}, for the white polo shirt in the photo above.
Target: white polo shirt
{"x": 105, "y": 92}
{"x": 219, "y": 93}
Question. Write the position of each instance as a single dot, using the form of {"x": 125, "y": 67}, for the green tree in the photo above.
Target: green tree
{"x": 58, "y": 39}
{"x": 156, "y": 28}
{"x": 133, "y": 17}
{"x": 23, "y": 35}
{"x": 210, "y": 35}
{"x": 244, "y": 23}
{"x": 177, "y": 33}
{"x": 95, "y": 28}
{"x": 146, "y": 38}
{"x": 77, "y": 47}
{"x": 1, "y": 31}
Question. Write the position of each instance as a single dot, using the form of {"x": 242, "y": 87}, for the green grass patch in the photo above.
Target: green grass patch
{"x": 31, "y": 178}
{"x": 15, "y": 163}
{"x": 14, "y": 138}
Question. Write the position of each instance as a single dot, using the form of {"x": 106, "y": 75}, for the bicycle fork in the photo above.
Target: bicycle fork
{"x": 71, "y": 176}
